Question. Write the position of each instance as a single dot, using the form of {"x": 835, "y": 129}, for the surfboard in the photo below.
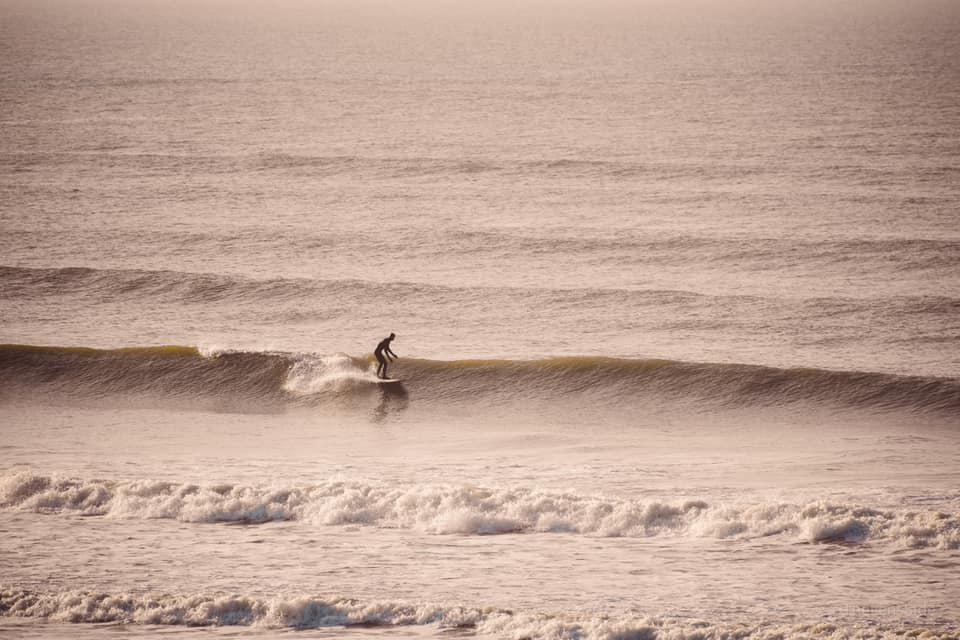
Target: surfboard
{"x": 388, "y": 380}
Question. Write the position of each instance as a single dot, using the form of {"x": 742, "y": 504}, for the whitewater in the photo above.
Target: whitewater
{"x": 675, "y": 288}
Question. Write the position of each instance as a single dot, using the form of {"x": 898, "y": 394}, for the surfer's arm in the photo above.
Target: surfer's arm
{"x": 391, "y": 353}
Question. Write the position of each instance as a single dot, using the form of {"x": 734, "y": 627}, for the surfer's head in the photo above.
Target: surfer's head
{"x": 392, "y": 336}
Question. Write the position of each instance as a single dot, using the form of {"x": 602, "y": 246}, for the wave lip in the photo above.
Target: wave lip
{"x": 469, "y": 510}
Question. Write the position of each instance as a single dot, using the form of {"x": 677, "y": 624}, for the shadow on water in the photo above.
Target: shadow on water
{"x": 393, "y": 400}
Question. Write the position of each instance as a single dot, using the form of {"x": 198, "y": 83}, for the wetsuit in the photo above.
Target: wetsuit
{"x": 383, "y": 355}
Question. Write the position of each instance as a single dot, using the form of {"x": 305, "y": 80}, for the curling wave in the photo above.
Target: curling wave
{"x": 233, "y": 379}
{"x": 449, "y": 509}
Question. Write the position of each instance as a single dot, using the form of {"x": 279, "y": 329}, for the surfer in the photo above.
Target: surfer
{"x": 384, "y": 355}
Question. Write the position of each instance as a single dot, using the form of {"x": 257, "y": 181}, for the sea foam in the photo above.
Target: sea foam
{"x": 310, "y": 611}
{"x": 470, "y": 510}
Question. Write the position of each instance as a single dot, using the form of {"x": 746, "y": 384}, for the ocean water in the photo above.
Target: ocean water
{"x": 675, "y": 288}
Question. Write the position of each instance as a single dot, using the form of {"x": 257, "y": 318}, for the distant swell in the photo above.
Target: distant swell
{"x": 232, "y": 380}
{"x": 451, "y": 509}
{"x": 312, "y": 611}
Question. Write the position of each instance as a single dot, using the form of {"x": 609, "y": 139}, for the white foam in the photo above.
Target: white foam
{"x": 211, "y": 350}
{"x": 312, "y": 374}
{"x": 309, "y": 611}
{"x": 451, "y": 509}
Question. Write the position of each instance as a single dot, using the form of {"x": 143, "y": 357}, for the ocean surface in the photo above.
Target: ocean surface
{"x": 676, "y": 289}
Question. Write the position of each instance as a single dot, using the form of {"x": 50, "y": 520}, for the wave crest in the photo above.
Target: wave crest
{"x": 240, "y": 380}
{"x": 310, "y": 612}
{"x": 469, "y": 510}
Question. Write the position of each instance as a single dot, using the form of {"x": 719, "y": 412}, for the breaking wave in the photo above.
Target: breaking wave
{"x": 311, "y": 612}
{"x": 233, "y": 379}
{"x": 470, "y": 510}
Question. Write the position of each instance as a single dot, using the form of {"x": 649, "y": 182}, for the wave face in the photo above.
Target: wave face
{"x": 902, "y": 328}
{"x": 443, "y": 509}
{"x": 311, "y": 611}
{"x": 172, "y": 372}
{"x": 232, "y": 378}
